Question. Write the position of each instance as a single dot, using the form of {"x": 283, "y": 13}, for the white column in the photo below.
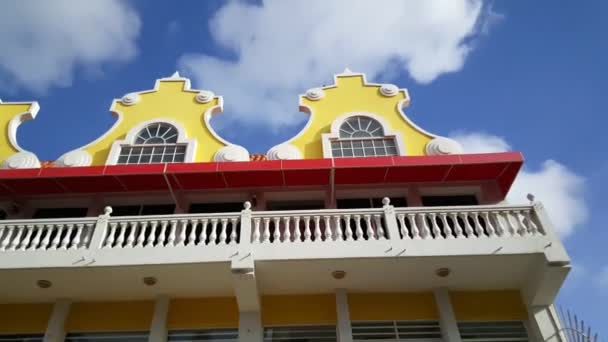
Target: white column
{"x": 345, "y": 332}
{"x": 544, "y": 324}
{"x": 447, "y": 319}
{"x": 158, "y": 327}
{"x": 250, "y": 327}
{"x": 55, "y": 331}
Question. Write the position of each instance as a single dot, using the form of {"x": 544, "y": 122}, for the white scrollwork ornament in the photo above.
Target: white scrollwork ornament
{"x": 75, "y": 158}
{"x": 284, "y": 152}
{"x": 130, "y": 99}
{"x": 442, "y": 146}
{"x": 21, "y": 160}
{"x": 389, "y": 90}
{"x": 231, "y": 153}
{"x": 204, "y": 96}
{"x": 315, "y": 94}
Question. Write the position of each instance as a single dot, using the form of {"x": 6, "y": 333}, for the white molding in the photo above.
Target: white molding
{"x": 335, "y": 132}
{"x": 447, "y": 319}
{"x": 348, "y": 73}
{"x": 343, "y": 326}
{"x": 132, "y": 134}
{"x": 55, "y": 331}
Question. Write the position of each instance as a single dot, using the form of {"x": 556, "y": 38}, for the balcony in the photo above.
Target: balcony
{"x": 485, "y": 247}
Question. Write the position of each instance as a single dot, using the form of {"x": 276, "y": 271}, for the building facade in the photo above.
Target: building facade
{"x": 363, "y": 226}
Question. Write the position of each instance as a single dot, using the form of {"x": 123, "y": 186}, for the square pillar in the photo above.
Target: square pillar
{"x": 55, "y": 331}
{"x": 447, "y": 319}
{"x": 345, "y": 331}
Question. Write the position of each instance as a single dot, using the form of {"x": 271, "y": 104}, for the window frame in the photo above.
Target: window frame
{"x": 334, "y": 135}
{"x": 132, "y": 134}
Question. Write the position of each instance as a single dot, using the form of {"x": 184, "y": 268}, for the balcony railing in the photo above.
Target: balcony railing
{"x": 491, "y": 225}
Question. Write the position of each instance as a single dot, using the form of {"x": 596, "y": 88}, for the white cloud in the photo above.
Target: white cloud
{"x": 42, "y": 42}
{"x": 283, "y": 48}
{"x": 556, "y": 186}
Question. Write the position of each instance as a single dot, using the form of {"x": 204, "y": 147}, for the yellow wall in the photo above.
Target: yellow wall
{"x": 488, "y": 305}
{"x": 299, "y": 309}
{"x": 392, "y": 306}
{"x": 110, "y": 316}
{"x": 351, "y": 95}
{"x": 7, "y": 112}
{"x": 193, "y": 313}
{"x": 170, "y": 102}
{"x": 24, "y": 318}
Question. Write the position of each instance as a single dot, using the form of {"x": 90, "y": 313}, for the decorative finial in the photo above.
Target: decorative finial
{"x": 175, "y": 75}
{"x": 247, "y": 205}
{"x": 530, "y": 198}
{"x": 386, "y": 201}
{"x": 107, "y": 211}
{"x": 347, "y": 71}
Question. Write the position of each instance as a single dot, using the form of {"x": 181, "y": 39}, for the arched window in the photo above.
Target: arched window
{"x": 362, "y": 136}
{"x": 155, "y": 143}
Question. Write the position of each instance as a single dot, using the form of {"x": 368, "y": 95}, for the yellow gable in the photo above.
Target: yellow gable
{"x": 12, "y": 114}
{"x": 173, "y": 102}
{"x": 351, "y": 95}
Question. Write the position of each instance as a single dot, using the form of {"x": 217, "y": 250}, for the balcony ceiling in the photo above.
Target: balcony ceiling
{"x": 499, "y": 167}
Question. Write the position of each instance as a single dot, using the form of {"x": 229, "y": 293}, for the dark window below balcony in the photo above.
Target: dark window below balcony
{"x": 446, "y": 201}
{"x": 59, "y": 212}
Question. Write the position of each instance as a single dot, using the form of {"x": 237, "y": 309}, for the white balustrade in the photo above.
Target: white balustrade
{"x": 46, "y": 234}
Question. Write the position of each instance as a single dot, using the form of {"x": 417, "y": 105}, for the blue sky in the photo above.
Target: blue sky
{"x": 527, "y": 76}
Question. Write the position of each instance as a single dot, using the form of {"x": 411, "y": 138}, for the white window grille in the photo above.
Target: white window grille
{"x": 22, "y": 338}
{"x": 502, "y": 331}
{"x": 419, "y": 331}
{"x": 208, "y": 335}
{"x": 107, "y": 336}
{"x": 362, "y": 136}
{"x": 301, "y": 334}
{"x": 155, "y": 143}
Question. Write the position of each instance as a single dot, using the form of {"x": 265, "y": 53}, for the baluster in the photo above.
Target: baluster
{"x": 379, "y": 228}
{"x": 446, "y": 226}
{"x": 223, "y": 231}
{"x": 163, "y": 234}
{"x": 327, "y": 233}
{"x": 347, "y": 230}
{"x": 287, "y": 233}
{"x": 478, "y": 227}
{"x": 2, "y": 237}
{"x": 414, "y": 227}
{"x": 17, "y": 239}
{"x": 266, "y": 234}
{"x": 48, "y": 229}
{"x": 489, "y": 227}
{"x": 181, "y": 238}
{"x": 87, "y": 234}
{"x": 425, "y": 232}
{"x": 317, "y": 228}
{"x": 402, "y": 226}
{"x": 141, "y": 237}
{"x": 64, "y": 243}
{"x": 192, "y": 236}
{"x": 297, "y": 235}
{"x": 26, "y": 240}
{"x": 57, "y": 237}
{"x": 152, "y": 235}
{"x": 338, "y": 228}
{"x": 277, "y": 231}
{"x": 370, "y": 230}
{"x": 307, "y": 233}
{"x": 122, "y": 230}
{"x": 468, "y": 230}
{"x": 232, "y": 238}
{"x": 7, "y": 242}
{"x": 213, "y": 235}
{"x": 358, "y": 229}
{"x": 38, "y": 230}
{"x": 457, "y": 229}
{"x": 132, "y": 232}
{"x": 511, "y": 230}
{"x": 109, "y": 243}
{"x": 203, "y": 236}
{"x": 76, "y": 241}
{"x": 434, "y": 226}
{"x": 256, "y": 230}
{"x": 172, "y": 233}
{"x": 498, "y": 227}
{"x": 530, "y": 225}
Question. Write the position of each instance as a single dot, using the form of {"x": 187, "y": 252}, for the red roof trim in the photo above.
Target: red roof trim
{"x": 499, "y": 167}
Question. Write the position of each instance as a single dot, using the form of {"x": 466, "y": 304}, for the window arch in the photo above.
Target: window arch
{"x": 157, "y": 142}
{"x": 362, "y": 136}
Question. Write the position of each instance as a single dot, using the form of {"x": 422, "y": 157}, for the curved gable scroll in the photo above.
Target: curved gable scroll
{"x": 171, "y": 101}
{"x": 12, "y": 115}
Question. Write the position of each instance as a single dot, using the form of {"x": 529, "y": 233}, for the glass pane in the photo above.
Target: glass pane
{"x": 122, "y": 159}
{"x": 348, "y": 153}
{"x": 391, "y": 150}
{"x": 133, "y": 159}
{"x": 157, "y": 158}
{"x": 358, "y": 152}
{"x": 357, "y": 144}
{"x": 167, "y": 158}
{"x": 145, "y": 159}
{"x": 367, "y": 143}
{"x": 380, "y": 152}
{"x": 369, "y": 152}
{"x": 336, "y": 152}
